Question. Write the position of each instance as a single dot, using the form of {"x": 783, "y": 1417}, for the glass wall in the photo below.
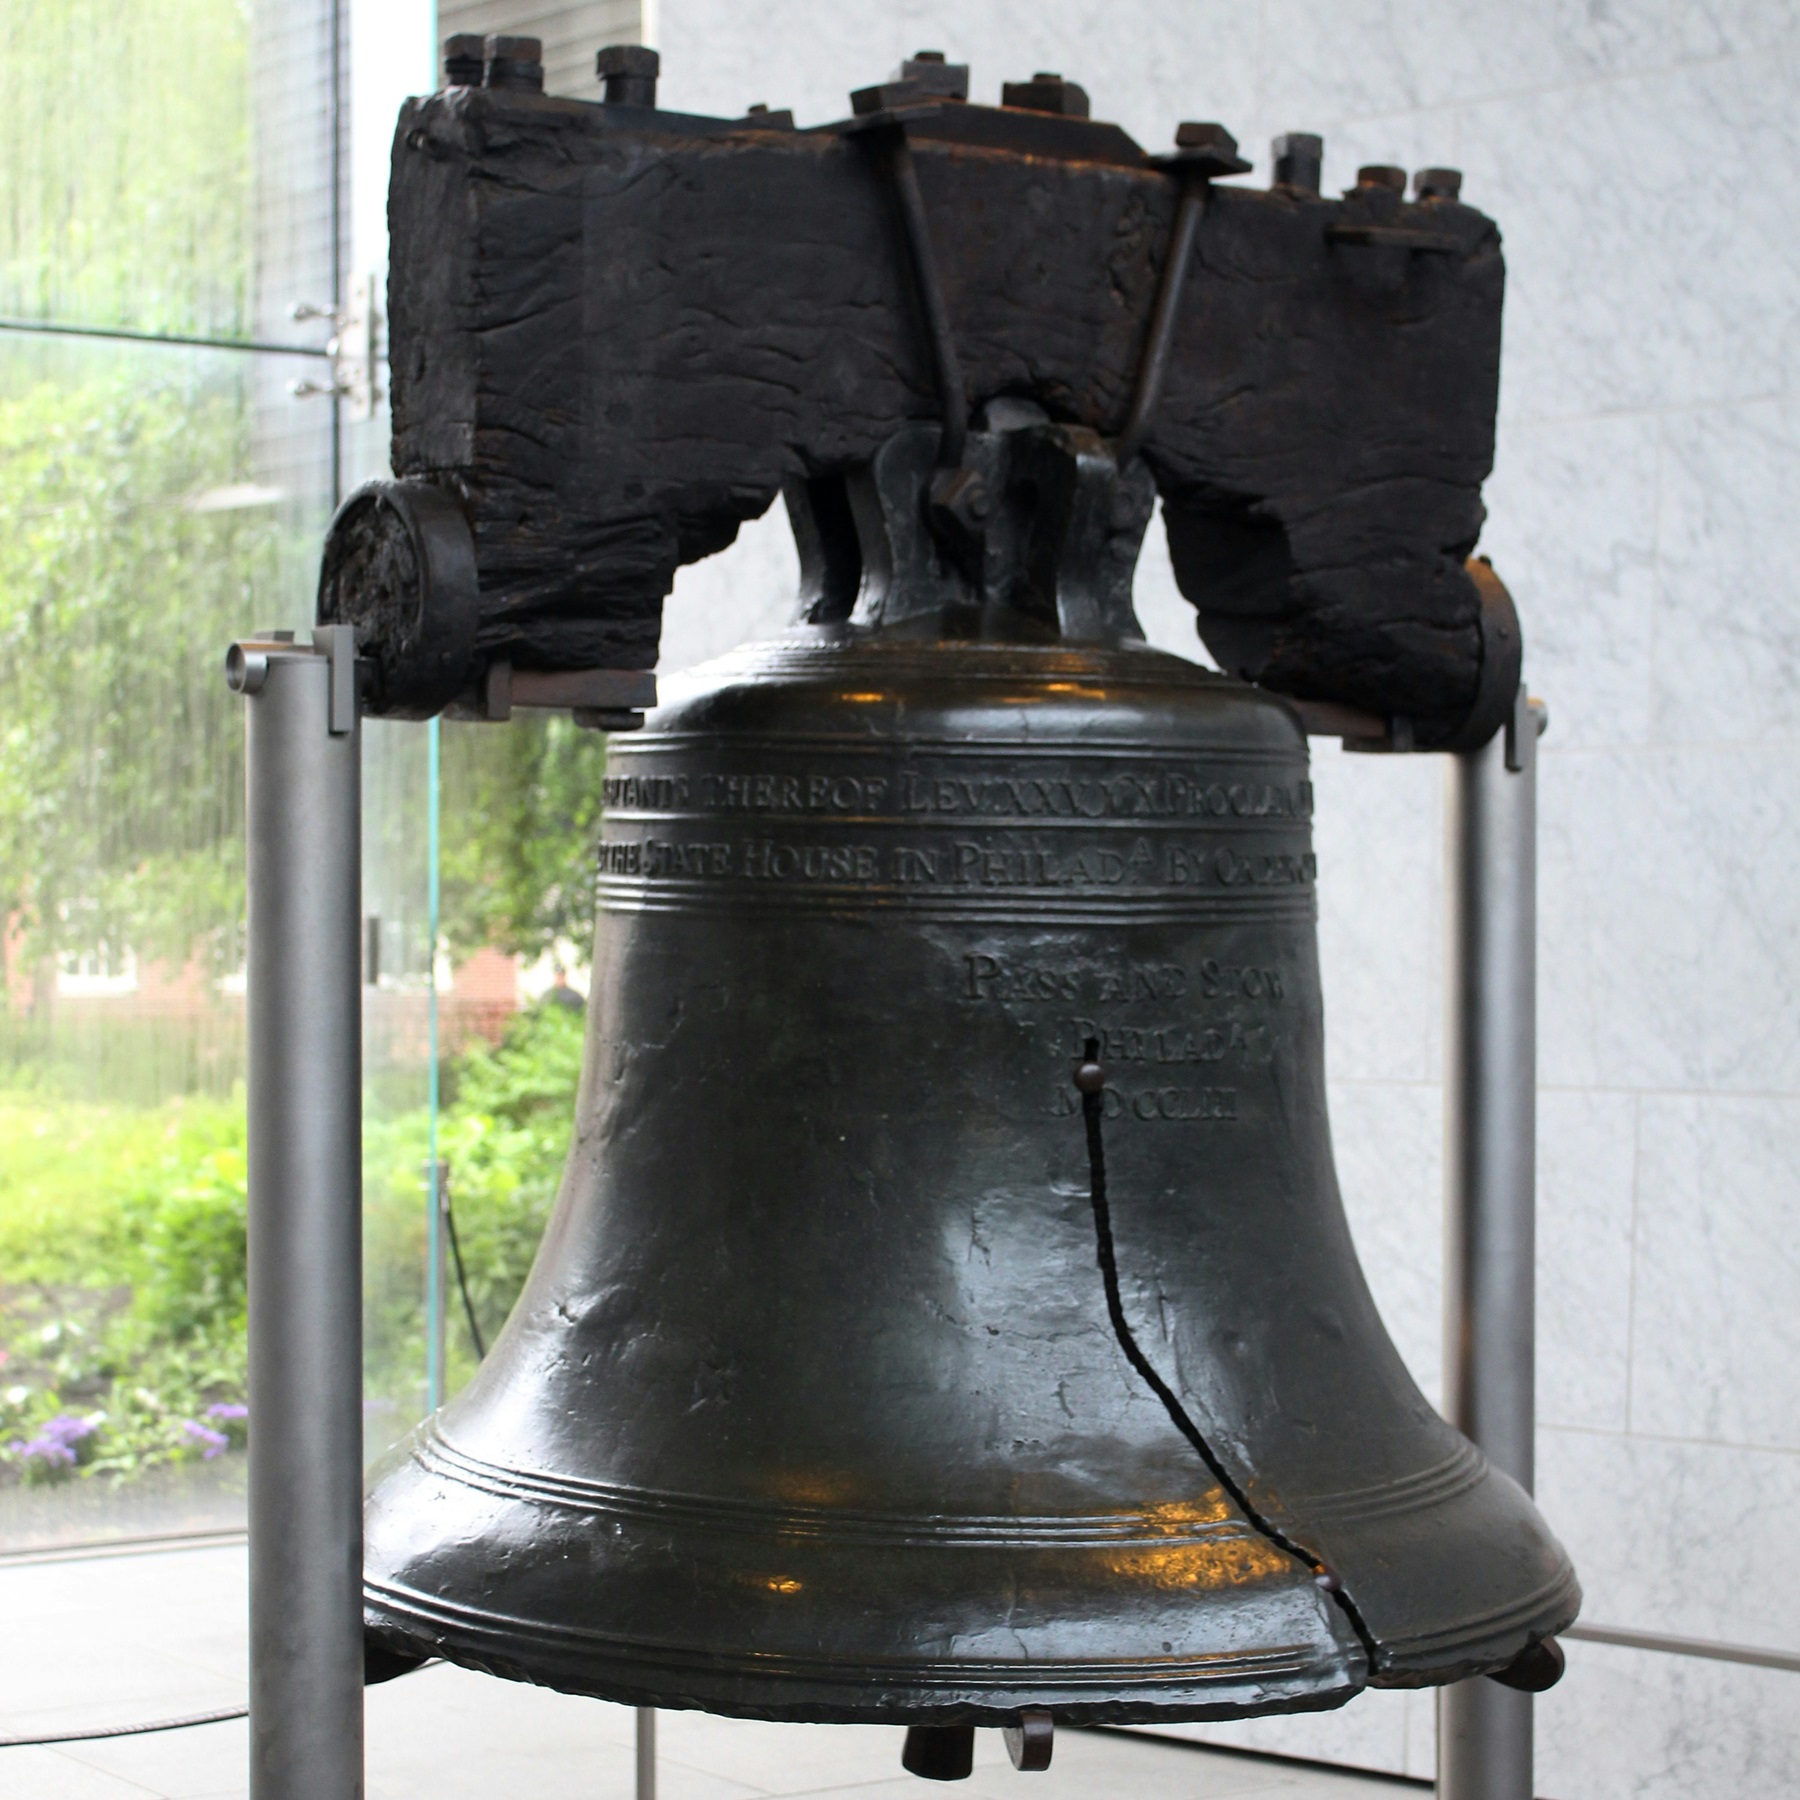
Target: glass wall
{"x": 179, "y": 226}
{"x": 171, "y": 170}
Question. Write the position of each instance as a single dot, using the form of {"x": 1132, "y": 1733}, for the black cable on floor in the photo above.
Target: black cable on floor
{"x": 115, "y": 1731}
{"x": 222, "y": 1716}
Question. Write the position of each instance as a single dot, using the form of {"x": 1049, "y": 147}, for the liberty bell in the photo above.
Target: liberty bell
{"x": 949, "y": 1316}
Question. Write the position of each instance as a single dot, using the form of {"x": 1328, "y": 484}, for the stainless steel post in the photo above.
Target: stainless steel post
{"x": 1490, "y": 1155}
{"x": 305, "y": 1052}
{"x": 646, "y": 1753}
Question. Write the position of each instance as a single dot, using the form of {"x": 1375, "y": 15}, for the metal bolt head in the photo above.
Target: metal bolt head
{"x": 1207, "y": 149}
{"x": 464, "y": 54}
{"x": 1438, "y": 184}
{"x": 1046, "y": 92}
{"x": 627, "y": 74}
{"x": 1299, "y": 158}
{"x": 515, "y": 64}
{"x": 937, "y": 77}
{"x": 1090, "y": 1078}
{"x": 1381, "y": 175}
{"x": 627, "y": 59}
{"x": 1190, "y": 134}
{"x": 961, "y": 498}
{"x": 1329, "y": 1581}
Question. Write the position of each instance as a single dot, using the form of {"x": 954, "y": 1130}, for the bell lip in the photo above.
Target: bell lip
{"x": 1307, "y": 1657}
{"x": 1420, "y": 1661}
{"x": 846, "y": 1692}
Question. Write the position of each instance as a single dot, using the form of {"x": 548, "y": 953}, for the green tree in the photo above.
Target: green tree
{"x": 126, "y": 143}
{"x": 521, "y": 811}
{"x": 121, "y": 773}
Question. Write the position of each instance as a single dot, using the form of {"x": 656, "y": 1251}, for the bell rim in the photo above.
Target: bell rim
{"x": 827, "y": 1689}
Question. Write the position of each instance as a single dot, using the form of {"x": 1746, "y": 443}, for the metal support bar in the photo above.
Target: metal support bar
{"x": 1490, "y": 1088}
{"x": 1153, "y": 370}
{"x": 305, "y": 1080}
{"x": 890, "y": 141}
{"x": 646, "y": 1753}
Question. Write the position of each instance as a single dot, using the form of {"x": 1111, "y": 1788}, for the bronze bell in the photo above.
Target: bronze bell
{"x": 949, "y": 1315}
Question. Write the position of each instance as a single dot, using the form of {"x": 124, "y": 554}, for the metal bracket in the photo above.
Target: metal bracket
{"x": 603, "y": 699}
{"x": 247, "y": 668}
{"x": 339, "y": 643}
{"x": 354, "y": 349}
{"x": 1525, "y": 724}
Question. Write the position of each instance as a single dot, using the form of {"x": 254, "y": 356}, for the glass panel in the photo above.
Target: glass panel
{"x": 520, "y": 813}
{"x": 139, "y": 532}
{"x": 126, "y": 138}
{"x": 397, "y": 1064}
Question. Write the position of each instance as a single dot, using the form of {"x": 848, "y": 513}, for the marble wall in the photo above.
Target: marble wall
{"x": 1643, "y": 160}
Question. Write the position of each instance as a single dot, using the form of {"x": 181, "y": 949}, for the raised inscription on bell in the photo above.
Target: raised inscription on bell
{"x": 1064, "y": 862}
{"x": 1148, "y": 793}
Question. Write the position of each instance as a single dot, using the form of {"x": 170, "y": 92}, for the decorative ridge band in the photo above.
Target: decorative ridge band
{"x": 1038, "y": 746}
{"x": 1460, "y": 1471}
{"x": 663, "y": 895}
{"x": 438, "y": 1456}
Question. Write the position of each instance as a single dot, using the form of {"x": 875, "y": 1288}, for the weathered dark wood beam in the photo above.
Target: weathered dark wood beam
{"x": 616, "y": 332}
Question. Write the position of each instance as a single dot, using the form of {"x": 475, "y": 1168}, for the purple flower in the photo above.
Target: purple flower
{"x": 54, "y": 1445}
{"x": 227, "y": 1409}
{"x": 204, "y": 1438}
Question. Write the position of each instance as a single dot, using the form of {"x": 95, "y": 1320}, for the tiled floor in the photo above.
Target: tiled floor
{"x": 145, "y": 1636}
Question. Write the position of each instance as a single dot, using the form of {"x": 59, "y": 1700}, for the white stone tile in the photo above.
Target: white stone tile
{"x": 1572, "y": 530}
{"x": 1421, "y": 1733}
{"x": 1640, "y": 1725}
{"x": 1688, "y": 1539}
{"x": 68, "y": 1681}
{"x": 1388, "y": 1143}
{"x": 794, "y": 1758}
{"x": 1639, "y": 273}
{"x": 48, "y": 1775}
{"x": 1727, "y": 629}
{"x": 746, "y": 591}
{"x": 1378, "y": 830}
{"x": 179, "y": 1765}
{"x": 1167, "y": 617}
{"x": 1669, "y": 952}
{"x": 450, "y": 1733}
{"x": 1362, "y": 57}
{"x": 1716, "y": 1352}
{"x": 1368, "y": 1733}
{"x": 1587, "y": 1148}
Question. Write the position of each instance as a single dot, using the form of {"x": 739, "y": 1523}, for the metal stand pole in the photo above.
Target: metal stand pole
{"x": 305, "y": 1054}
{"x": 1484, "y": 1729}
{"x": 646, "y": 1753}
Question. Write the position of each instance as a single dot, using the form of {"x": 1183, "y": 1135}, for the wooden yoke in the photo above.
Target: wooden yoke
{"x": 617, "y": 333}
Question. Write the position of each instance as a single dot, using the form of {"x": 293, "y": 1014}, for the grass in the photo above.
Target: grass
{"x": 122, "y": 1257}
{"x": 69, "y": 1168}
